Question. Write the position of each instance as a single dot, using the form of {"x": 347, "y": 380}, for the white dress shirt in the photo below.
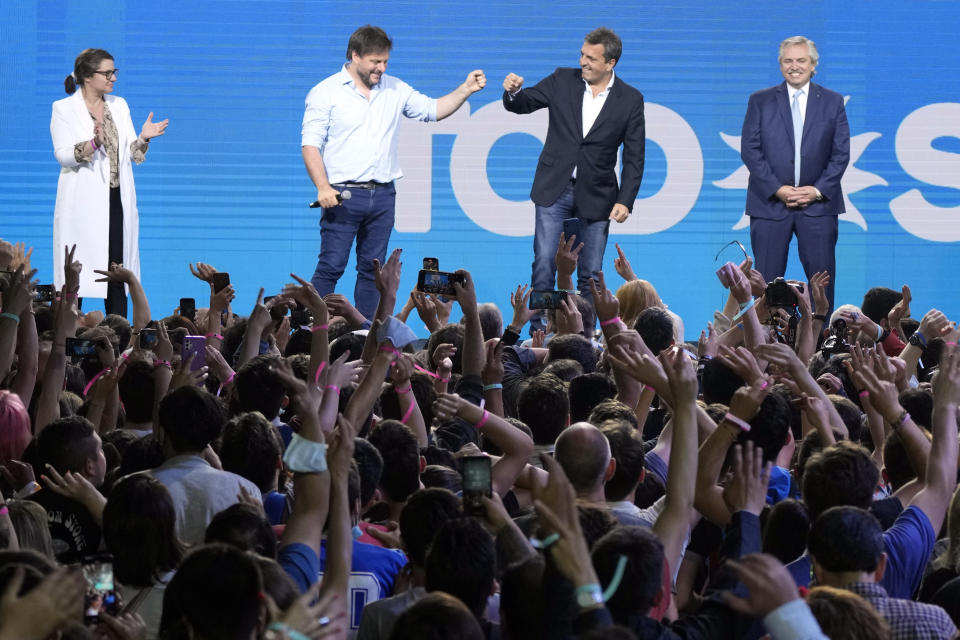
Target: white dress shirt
{"x": 357, "y": 137}
{"x": 592, "y": 106}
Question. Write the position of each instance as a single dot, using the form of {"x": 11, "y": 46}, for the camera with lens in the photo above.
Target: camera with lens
{"x": 779, "y": 294}
{"x": 836, "y": 342}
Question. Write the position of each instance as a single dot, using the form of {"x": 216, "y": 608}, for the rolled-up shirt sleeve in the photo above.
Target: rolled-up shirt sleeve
{"x": 316, "y": 118}
{"x": 418, "y": 106}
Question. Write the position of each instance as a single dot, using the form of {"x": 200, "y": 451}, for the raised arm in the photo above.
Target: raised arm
{"x": 258, "y": 322}
{"x": 16, "y": 302}
{"x": 400, "y": 372}
{"x": 138, "y": 297}
{"x": 474, "y": 354}
{"x": 941, "y": 474}
{"x": 515, "y": 444}
{"x": 387, "y": 280}
{"x": 785, "y": 358}
{"x": 336, "y": 576}
{"x": 743, "y": 407}
{"x": 449, "y": 103}
{"x": 307, "y": 295}
{"x": 312, "y": 489}
{"x": 363, "y": 399}
{"x": 672, "y": 525}
{"x": 48, "y": 406}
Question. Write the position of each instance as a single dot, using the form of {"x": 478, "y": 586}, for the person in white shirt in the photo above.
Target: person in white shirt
{"x": 349, "y": 143}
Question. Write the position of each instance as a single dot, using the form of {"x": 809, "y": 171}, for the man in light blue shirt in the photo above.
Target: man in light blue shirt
{"x": 349, "y": 141}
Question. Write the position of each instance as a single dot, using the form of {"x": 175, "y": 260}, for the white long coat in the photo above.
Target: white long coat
{"x": 82, "y": 213}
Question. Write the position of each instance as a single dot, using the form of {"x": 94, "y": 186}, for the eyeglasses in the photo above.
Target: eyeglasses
{"x": 112, "y": 73}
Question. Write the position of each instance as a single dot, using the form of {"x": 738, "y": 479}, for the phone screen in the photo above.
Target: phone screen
{"x": 148, "y": 338}
{"x": 547, "y": 299}
{"x": 476, "y": 483}
{"x": 80, "y": 347}
{"x": 431, "y": 264}
{"x": 438, "y": 282}
{"x": 100, "y": 595}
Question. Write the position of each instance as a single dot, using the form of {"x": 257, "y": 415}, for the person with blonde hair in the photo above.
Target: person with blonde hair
{"x": 635, "y": 296}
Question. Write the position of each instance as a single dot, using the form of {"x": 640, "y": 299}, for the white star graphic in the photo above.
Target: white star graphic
{"x": 854, "y": 179}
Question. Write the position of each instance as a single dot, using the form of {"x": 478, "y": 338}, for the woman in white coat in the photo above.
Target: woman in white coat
{"x": 95, "y": 142}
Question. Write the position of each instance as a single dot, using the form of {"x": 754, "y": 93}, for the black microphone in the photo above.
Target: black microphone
{"x": 343, "y": 195}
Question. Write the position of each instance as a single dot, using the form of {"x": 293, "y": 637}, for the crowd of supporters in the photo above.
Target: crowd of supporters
{"x": 307, "y": 472}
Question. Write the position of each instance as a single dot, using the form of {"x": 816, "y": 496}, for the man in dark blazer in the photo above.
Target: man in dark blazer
{"x": 782, "y": 198}
{"x": 592, "y": 113}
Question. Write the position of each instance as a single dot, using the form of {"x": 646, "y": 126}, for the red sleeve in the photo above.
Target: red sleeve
{"x": 893, "y": 345}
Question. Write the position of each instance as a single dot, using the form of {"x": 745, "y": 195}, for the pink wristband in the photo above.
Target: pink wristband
{"x": 316, "y": 378}
{"x": 319, "y": 327}
{"x": 226, "y": 382}
{"x": 865, "y": 395}
{"x": 407, "y": 390}
{"x": 408, "y": 412}
{"x": 387, "y": 349}
{"x": 483, "y": 420}
{"x": 213, "y": 335}
{"x": 604, "y": 323}
{"x": 333, "y": 387}
{"x": 93, "y": 380}
{"x": 70, "y": 295}
{"x": 744, "y": 426}
{"x": 430, "y": 373}
{"x": 93, "y": 143}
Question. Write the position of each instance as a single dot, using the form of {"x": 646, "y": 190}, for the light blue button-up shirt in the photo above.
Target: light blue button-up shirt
{"x": 358, "y": 137}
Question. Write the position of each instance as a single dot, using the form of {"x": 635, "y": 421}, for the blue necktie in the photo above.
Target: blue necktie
{"x": 797, "y": 136}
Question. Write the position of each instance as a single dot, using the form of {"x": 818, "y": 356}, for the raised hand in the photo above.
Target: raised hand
{"x": 475, "y": 81}
{"x": 203, "y": 272}
{"x": 707, "y": 344}
{"x": 306, "y": 294}
{"x": 153, "y": 129}
{"x": 742, "y": 361}
{"x": 512, "y": 83}
{"x": 493, "y": 368}
{"x": 466, "y": 292}
{"x": 339, "y": 305}
{"x": 747, "y": 488}
{"x": 387, "y": 276}
{"x": 818, "y": 291}
{"x": 605, "y": 303}
{"x": 900, "y": 310}
{"x": 623, "y": 267}
{"x": 21, "y": 256}
{"x": 71, "y": 269}
{"x": 116, "y": 273}
{"x": 732, "y": 278}
{"x": 568, "y": 317}
{"x": 521, "y": 312}
{"x": 643, "y": 367}
{"x": 568, "y": 252}
{"x": 681, "y": 374}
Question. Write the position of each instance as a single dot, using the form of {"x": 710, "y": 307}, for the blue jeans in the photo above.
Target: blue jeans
{"x": 546, "y": 239}
{"x": 368, "y": 217}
